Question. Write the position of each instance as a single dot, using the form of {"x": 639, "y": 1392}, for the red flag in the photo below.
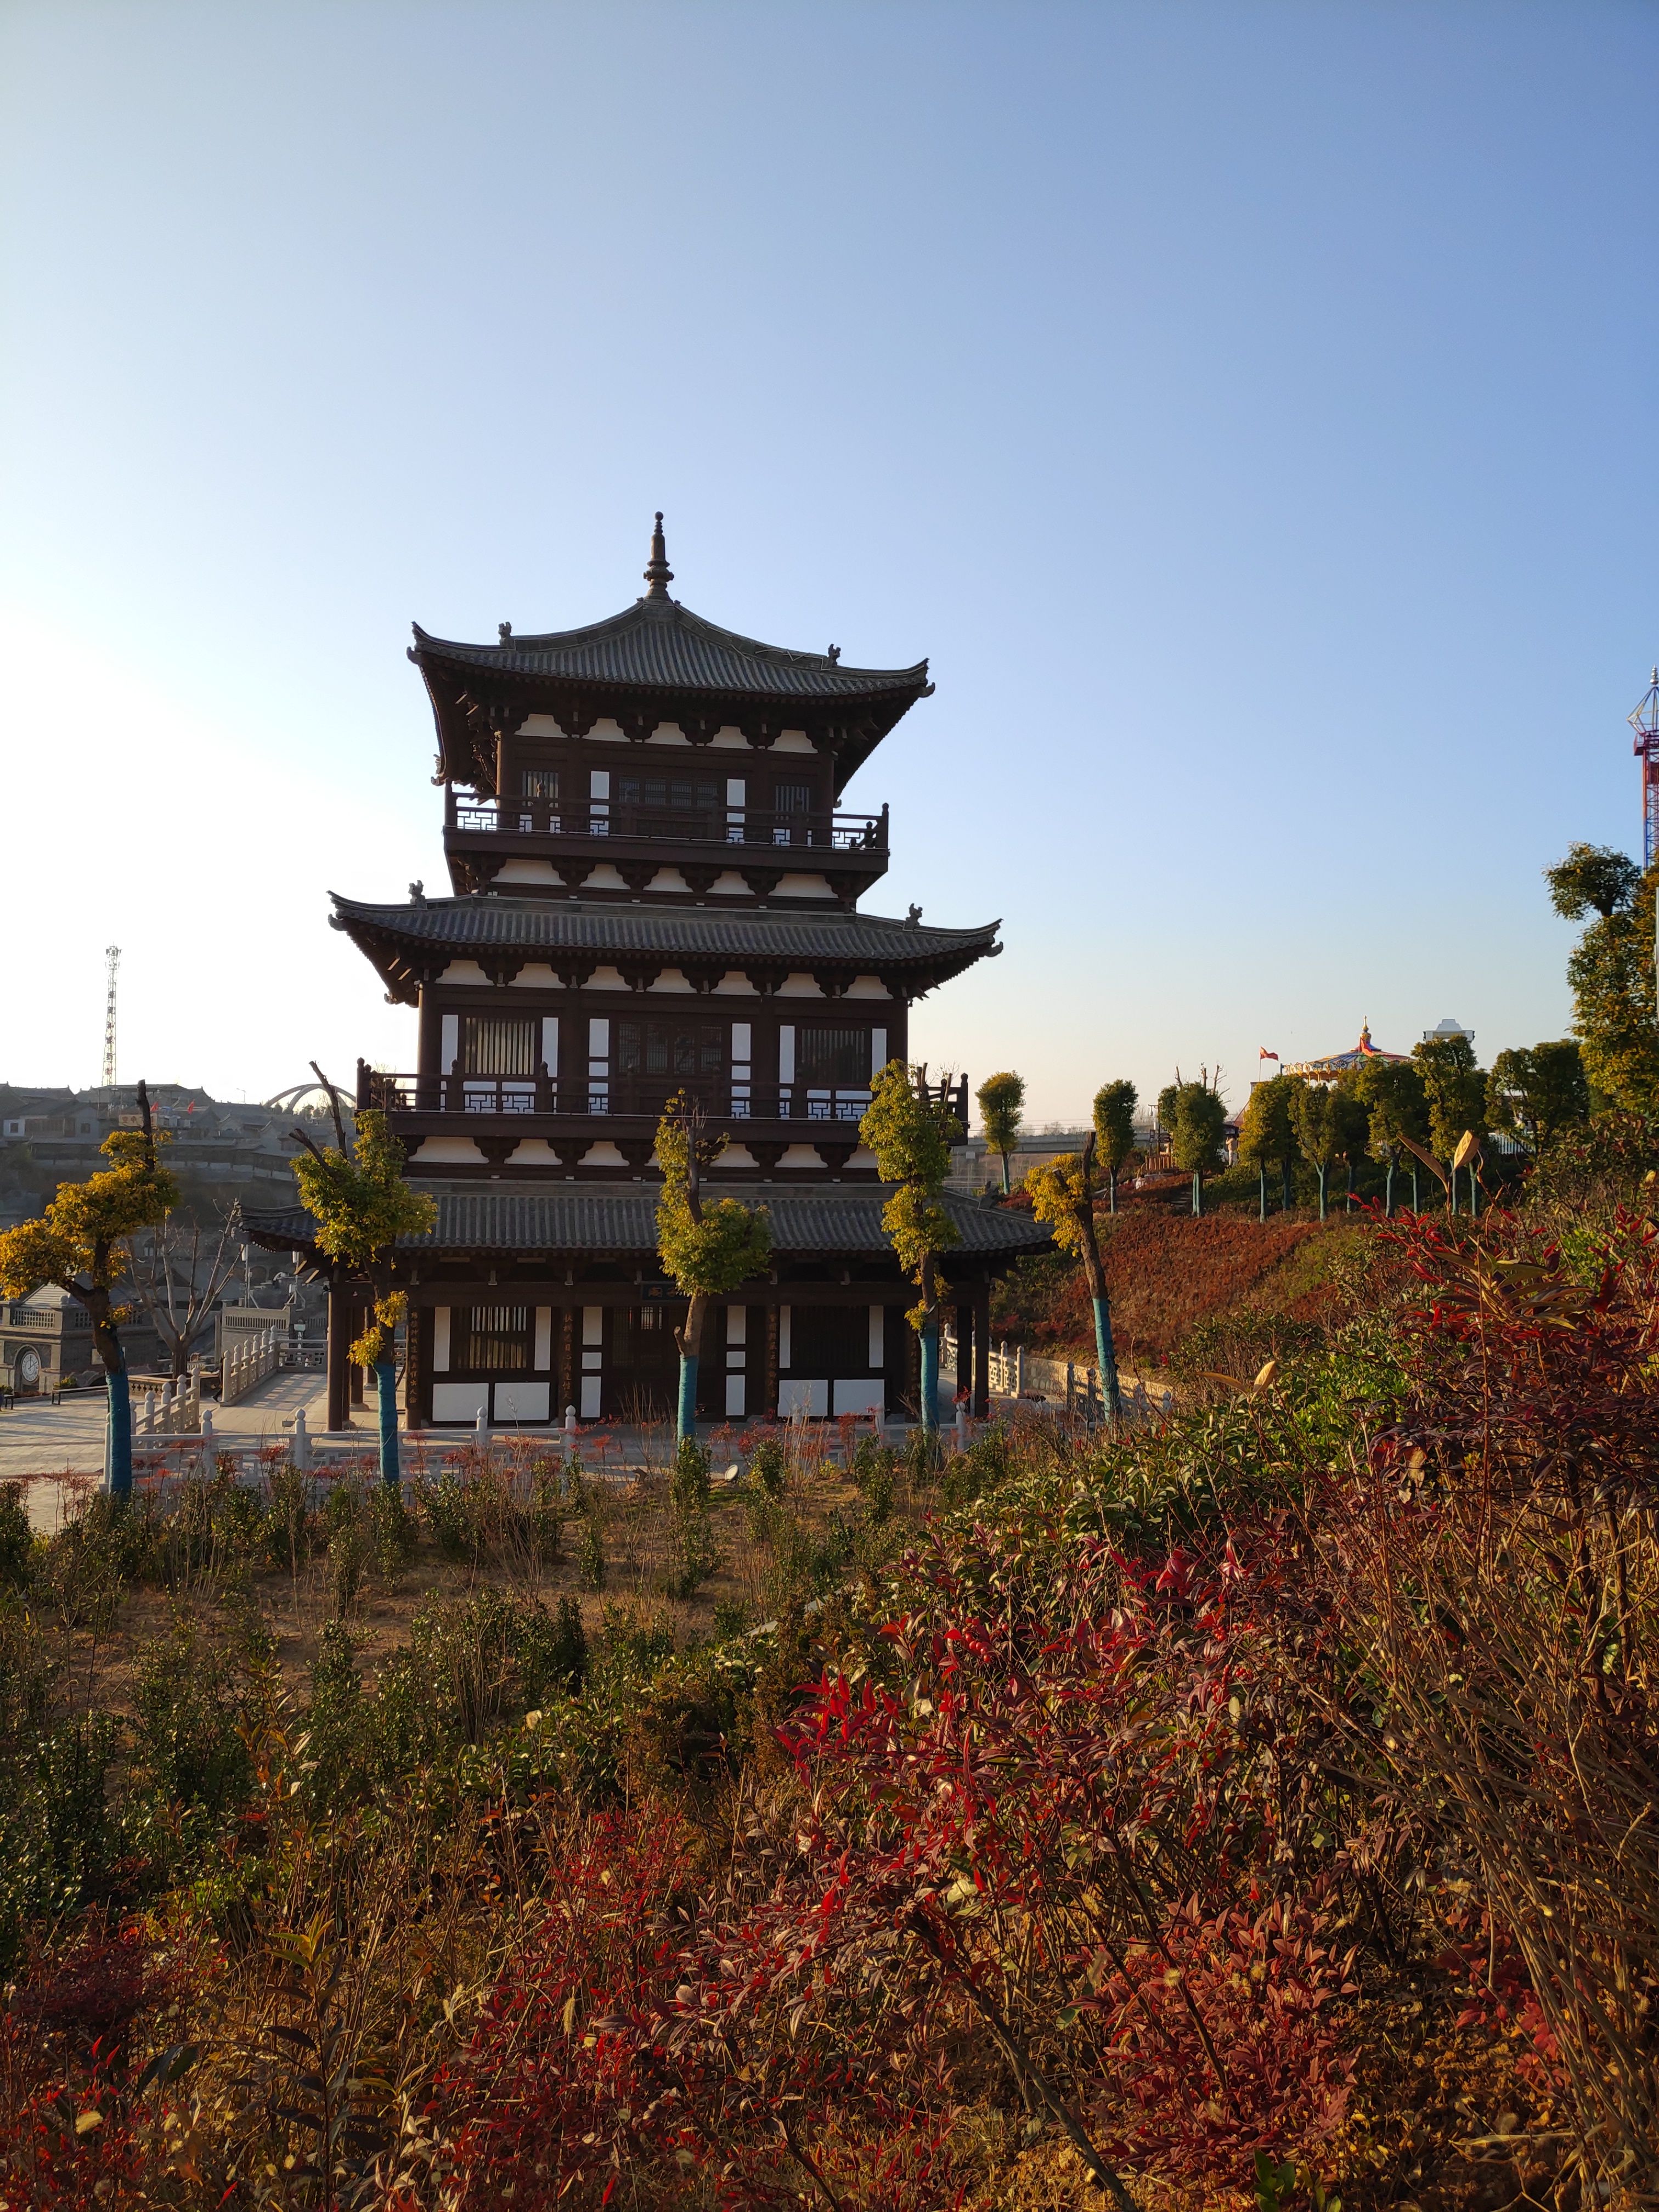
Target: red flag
{"x": 1265, "y": 1055}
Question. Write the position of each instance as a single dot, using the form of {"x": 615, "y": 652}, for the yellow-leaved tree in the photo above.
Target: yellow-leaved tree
{"x": 1002, "y": 1100}
{"x": 361, "y": 1205}
{"x": 1063, "y": 1194}
{"x": 708, "y": 1247}
{"x": 78, "y": 1243}
{"x": 909, "y": 1132}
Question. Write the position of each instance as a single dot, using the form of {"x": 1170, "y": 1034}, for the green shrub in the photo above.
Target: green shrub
{"x": 874, "y": 1472}
{"x": 768, "y": 1466}
{"x": 392, "y": 1529}
{"x": 969, "y": 1475}
{"x": 289, "y": 1529}
{"x": 553, "y": 1652}
{"x": 589, "y": 1551}
{"x": 689, "y": 1485}
{"x": 190, "y": 1710}
{"x": 1240, "y": 1344}
{"x": 17, "y": 1539}
{"x": 25, "y": 1672}
{"x": 632, "y": 1645}
{"x": 921, "y": 1457}
{"x": 449, "y": 1516}
{"x": 548, "y": 1509}
{"x": 692, "y": 1556}
{"x": 348, "y": 1551}
{"x": 731, "y": 1619}
{"x": 463, "y": 1653}
{"x": 56, "y": 1835}
{"x": 831, "y": 1558}
{"x": 335, "y": 1722}
{"x": 86, "y": 1566}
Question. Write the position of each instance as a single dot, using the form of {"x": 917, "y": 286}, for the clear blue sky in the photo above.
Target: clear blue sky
{"x": 1249, "y": 407}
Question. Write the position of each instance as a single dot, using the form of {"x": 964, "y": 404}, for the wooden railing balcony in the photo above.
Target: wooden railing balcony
{"x": 711, "y": 826}
{"x": 462, "y": 1099}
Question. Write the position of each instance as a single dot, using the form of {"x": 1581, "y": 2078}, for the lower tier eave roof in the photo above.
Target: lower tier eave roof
{"x": 589, "y": 1222}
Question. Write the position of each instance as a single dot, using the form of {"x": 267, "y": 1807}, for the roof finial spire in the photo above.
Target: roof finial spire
{"x": 658, "y": 574}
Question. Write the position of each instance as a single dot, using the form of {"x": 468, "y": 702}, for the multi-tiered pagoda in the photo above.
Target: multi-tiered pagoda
{"x": 654, "y": 891}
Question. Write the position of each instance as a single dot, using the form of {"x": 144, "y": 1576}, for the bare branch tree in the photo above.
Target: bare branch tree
{"x": 177, "y": 1288}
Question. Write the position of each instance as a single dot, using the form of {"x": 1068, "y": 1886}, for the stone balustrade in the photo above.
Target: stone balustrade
{"x": 248, "y": 1359}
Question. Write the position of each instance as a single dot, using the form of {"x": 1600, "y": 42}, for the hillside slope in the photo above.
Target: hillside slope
{"x": 1166, "y": 1273}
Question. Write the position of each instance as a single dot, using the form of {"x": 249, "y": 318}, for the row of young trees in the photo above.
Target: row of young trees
{"x": 1431, "y": 1110}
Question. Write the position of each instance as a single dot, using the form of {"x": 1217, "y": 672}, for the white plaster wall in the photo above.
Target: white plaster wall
{"x": 528, "y": 871}
{"x": 454, "y": 1151}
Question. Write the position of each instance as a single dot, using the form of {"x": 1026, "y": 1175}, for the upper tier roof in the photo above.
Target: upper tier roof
{"x": 656, "y": 660}
{"x": 659, "y": 645}
{"x": 406, "y": 942}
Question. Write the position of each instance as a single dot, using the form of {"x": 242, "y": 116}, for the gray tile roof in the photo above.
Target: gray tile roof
{"x": 610, "y": 1220}
{"x": 660, "y": 645}
{"x": 544, "y": 926}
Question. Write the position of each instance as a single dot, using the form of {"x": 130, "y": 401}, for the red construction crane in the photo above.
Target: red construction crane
{"x": 1645, "y": 723}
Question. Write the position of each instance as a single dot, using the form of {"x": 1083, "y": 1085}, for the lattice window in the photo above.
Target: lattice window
{"x": 830, "y": 1340}
{"x": 491, "y": 1340}
{"x": 494, "y": 1044}
{"x": 830, "y": 1057}
{"x": 671, "y": 1048}
{"x": 681, "y": 792}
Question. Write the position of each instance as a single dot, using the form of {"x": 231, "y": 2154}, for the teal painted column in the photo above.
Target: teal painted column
{"x": 385, "y": 1391}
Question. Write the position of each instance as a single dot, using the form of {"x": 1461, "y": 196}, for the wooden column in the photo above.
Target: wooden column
{"x": 567, "y": 1393}
{"x": 358, "y": 1379}
{"x": 772, "y": 1347}
{"x": 339, "y": 1340}
{"x": 415, "y": 1366}
{"x": 964, "y": 1346}
{"x": 982, "y": 1404}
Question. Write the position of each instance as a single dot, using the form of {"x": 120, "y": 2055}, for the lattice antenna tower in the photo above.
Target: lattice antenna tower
{"x": 112, "y": 961}
{"x": 1645, "y": 723}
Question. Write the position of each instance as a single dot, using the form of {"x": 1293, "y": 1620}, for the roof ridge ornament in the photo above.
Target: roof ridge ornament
{"x": 658, "y": 574}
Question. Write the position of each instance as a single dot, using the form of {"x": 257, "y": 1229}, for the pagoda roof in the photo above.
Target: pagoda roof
{"x": 659, "y": 645}
{"x": 651, "y": 659}
{"x": 595, "y": 1220}
{"x": 410, "y": 944}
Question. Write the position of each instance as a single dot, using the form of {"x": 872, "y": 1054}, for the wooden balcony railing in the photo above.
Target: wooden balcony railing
{"x": 665, "y": 825}
{"x": 627, "y": 1097}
